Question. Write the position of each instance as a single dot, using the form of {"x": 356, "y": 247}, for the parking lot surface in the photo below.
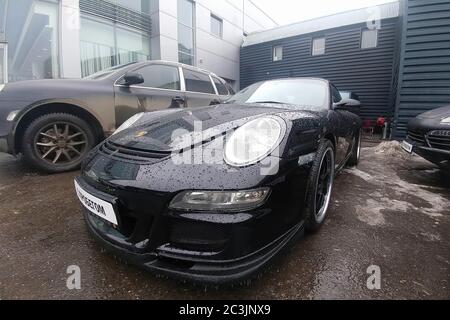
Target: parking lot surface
{"x": 391, "y": 212}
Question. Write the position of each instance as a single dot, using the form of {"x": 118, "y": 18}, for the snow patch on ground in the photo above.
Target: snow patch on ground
{"x": 371, "y": 213}
{"x": 381, "y": 175}
{"x": 363, "y": 175}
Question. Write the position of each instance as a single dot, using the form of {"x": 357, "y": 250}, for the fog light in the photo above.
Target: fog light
{"x": 219, "y": 200}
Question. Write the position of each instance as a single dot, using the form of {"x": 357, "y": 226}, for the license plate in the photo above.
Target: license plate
{"x": 95, "y": 205}
{"x": 408, "y": 147}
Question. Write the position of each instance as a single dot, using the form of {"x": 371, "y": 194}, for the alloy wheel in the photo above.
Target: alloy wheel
{"x": 61, "y": 143}
{"x": 324, "y": 185}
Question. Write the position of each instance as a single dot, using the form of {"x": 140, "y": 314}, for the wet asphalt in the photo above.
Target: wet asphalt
{"x": 392, "y": 212}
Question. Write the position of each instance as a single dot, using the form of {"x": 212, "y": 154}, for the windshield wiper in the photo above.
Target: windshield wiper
{"x": 274, "y": 102}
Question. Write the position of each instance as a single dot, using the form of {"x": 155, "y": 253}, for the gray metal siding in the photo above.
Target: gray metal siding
{"x": 424, "y": 77}
{"x": 367, "y": 72}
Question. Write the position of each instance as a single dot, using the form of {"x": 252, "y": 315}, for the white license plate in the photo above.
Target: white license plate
{"x": 95, "y": 205}
{"x": 408, "y": 147}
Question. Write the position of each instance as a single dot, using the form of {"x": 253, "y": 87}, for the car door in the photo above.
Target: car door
{"x": 161, "y": 89}
{"x": 343, "y": 130}
{"x": 199, "y": 89}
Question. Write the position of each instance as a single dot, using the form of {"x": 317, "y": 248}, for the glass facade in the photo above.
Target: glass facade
{"x": 142, "y": 6}
{"x": 186, "y": 37}
{"x": 28, "y": 40}
{"x": 104, "y": 44}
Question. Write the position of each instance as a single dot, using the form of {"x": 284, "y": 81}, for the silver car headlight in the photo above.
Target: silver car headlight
{"x": 127, "y": 124}
{"x": 219, "y": 200}
{"x": 446, "y": 120}
{"x": 254, "y": 141}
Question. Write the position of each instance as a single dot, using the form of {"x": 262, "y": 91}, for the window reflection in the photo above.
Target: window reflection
{"x": 104, "y": 44}
{"x": 30, "y": 32}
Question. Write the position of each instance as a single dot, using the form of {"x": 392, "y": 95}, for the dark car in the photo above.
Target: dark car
{"x": 429, "y": 136}
{"x": 54, "y": 123}
{"x": 213, "y": 193}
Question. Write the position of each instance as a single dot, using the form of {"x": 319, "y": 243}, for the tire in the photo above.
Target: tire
{"x": 356, "y": 151}
{"x": 60, "y": 151}
{"x": 324, "y": 160}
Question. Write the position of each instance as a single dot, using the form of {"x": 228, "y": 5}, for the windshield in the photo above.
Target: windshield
{"x": 307, "y": 93}
{"x": 107, "y": 72}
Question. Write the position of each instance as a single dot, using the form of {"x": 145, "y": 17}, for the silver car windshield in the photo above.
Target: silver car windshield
{"x": 309, "y": 93}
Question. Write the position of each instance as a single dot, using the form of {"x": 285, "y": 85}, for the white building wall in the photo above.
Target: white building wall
{"x": 69, "y": 41}
{"x": 219, "y": 55}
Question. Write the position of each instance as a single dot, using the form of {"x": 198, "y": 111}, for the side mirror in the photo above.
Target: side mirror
{"x": 131, "y": 78}
{"x": 345, "y": 103}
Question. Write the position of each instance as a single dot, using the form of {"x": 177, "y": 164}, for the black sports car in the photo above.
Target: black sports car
{"x": 429, "y": 136}
{"x": 213, "y": 193}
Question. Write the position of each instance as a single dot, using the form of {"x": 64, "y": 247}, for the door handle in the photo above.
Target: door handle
{"x": 178, "y": 102}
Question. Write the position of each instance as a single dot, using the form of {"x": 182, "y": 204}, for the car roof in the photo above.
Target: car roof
{"x": 297, "y": 78}
{"x": 178, "y": 64}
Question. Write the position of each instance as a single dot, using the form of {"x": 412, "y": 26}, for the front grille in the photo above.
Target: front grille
{"x": 114, "y": 150}
{"x": 439, "y": 139}
{"x": 417, "y": 137}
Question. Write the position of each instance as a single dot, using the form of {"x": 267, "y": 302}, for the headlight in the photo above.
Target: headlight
{"x": 446, "y": 120}
{"x": 127, "y": 124}
{"x": 2, "y": 86}
{"x": 219, "y": 200}
{"x": 254, "y": 140}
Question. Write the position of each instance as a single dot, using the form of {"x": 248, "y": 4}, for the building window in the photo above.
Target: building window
{"x": 29, "y": 40}
{"x": 369, "y": 38}
{"x": 278, "y": 53}
{"x": 318, "y": 47}
{"x": 186, "y": 36}
{"x": 216, "y": 26}
{"x": 104, "y": 44}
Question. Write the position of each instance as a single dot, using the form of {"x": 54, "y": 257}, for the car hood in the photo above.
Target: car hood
{"x": 438, "y": 113}
{"x": 174, "y": 130}
{"x": 35, "y": 90}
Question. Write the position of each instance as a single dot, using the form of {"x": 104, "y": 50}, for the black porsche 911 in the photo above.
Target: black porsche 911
{"x": 429, "y": 136}
{"x": 212, "y": 194}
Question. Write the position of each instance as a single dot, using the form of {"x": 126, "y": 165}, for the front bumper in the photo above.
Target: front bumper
{"x": 204, "y": 247}
{"x": 437, "y": 156}
{"x": 214, "y": 272}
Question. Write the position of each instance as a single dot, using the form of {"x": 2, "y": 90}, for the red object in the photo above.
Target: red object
{"x": 381, "y": 121}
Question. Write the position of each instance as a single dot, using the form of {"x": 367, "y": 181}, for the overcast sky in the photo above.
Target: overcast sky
{"x": 289, "y": 11}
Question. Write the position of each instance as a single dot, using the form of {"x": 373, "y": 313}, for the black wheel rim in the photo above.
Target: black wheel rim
{"x": 324, "y": 185}
{"x": 61, "y": 143}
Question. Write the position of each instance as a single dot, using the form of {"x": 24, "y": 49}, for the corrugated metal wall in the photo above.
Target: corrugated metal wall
{"x": 424, "y": 77}
{"x": 367, "y": 72}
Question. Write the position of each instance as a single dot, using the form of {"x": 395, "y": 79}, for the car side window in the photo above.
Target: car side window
{"x": 198, "y": 82}
{"x": 336, "y": 95}
{"x": 160, "y": 76}
{"x": 221, "y": 88}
